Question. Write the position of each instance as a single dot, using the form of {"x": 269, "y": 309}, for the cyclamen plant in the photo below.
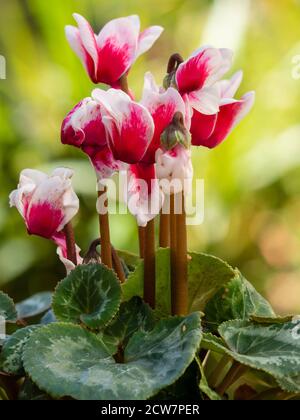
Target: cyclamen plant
{"x": 167, "y": 324}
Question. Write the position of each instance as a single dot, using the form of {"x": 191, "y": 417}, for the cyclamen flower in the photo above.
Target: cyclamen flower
{"x": 211, "y": 130}
{"x": 110, "y": 55}
{"x": 133, "y": 132}
{"x": 83, "y": 128}
{"x": 47, "y": 204}
{"x": 196, "y": 78}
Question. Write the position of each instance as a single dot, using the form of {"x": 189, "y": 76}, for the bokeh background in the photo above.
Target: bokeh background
{"x": 252, "y": 181}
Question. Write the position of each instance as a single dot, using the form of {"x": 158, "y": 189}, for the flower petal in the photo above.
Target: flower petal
{"x": 83, "y": 126}
{"x": 228, "y": 88}
{"x": 162, "y": 106}
{"x": 129, "y": 125}
{"x": 104, "y": 163}
{"x": 143, "y": 197}
{"x": 148, "y": 38}
{"x": 203, "y": 69}
{"x": 117, "y": 45}
{"x": 206, "y": 100}
{"x": 60, "y": 240}
{"x": 229, "y": 116}
{"x": 175, "y": 171}
{"x": 88, "y": 38}
{"x": 202, "y": 127}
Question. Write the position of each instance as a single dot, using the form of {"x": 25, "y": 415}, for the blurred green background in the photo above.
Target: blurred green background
{"x": 252, "y": 181}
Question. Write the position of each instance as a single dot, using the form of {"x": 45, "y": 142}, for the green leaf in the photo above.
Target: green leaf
{"x": 206, "y": 275}
{"x": 91, "y": 294}
{"x": 237, "y": 300}
{"x": 30, "y": 392}
{"x": 213, "y": 343}
{"x": 79, "y": 365}
{"x": 7, "y": 308}
{"x": 12, "y": 351}
{"x": 271, "y": 348}
{"x": 204, "y": 386}
{"x": 131, "y": 260}
{"x": 133, "y": 316}
{"x": 290, "y": 383}
{"x": 48, "y": 318}
{"x": 35, "y": 305}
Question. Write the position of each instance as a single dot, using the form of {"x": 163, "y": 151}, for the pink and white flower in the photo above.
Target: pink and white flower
{"x": 196, "y": 78}
{"x": 46, "y": 203}
{"x": 211, "y": 130}
{"x": 110, "y": 55}
{"x": 83, "y": 128}
{"x": 129, "y": 125}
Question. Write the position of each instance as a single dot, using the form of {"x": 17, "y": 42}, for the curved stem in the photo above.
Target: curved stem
{"x": 70, "y": 242}
{"x": 174, "y": 62}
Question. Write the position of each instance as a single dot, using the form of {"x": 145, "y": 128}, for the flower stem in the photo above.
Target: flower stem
{"x": 173, "y": 248}
{"x": 235, "y": 372}
{"x": 106, "y": 256}
{"x": 149, "y": 264}
{"x": 179, "y": 259}
{"x": 124, "y": 84}
{"x": 164, "y": 228}
{"x": 142, "y": 234}
{"x": 70, "y": 242}
{"x": 216, "y": 374}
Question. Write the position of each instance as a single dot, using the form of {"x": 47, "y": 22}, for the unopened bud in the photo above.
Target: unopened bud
{"x": 176, "y": 134}
{"x": 170, "y": 81}
{"x": 93, "y": 256}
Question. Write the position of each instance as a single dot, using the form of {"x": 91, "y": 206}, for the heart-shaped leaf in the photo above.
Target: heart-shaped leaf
{"x": 206, "y": 275}
{"x": 80, "y": 366}
{"x": 12, "y": 351}
{"x": 35, "y": 305}
{"x": 237, "y": 300}
{"x": 134, "y": 316}
{"x": 273, "y": 348}
{"x": 91, "y": 294}
{"x": 7, "y": 308}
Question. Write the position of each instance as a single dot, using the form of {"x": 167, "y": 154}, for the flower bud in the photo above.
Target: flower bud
{"x": 176, "y": 134}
